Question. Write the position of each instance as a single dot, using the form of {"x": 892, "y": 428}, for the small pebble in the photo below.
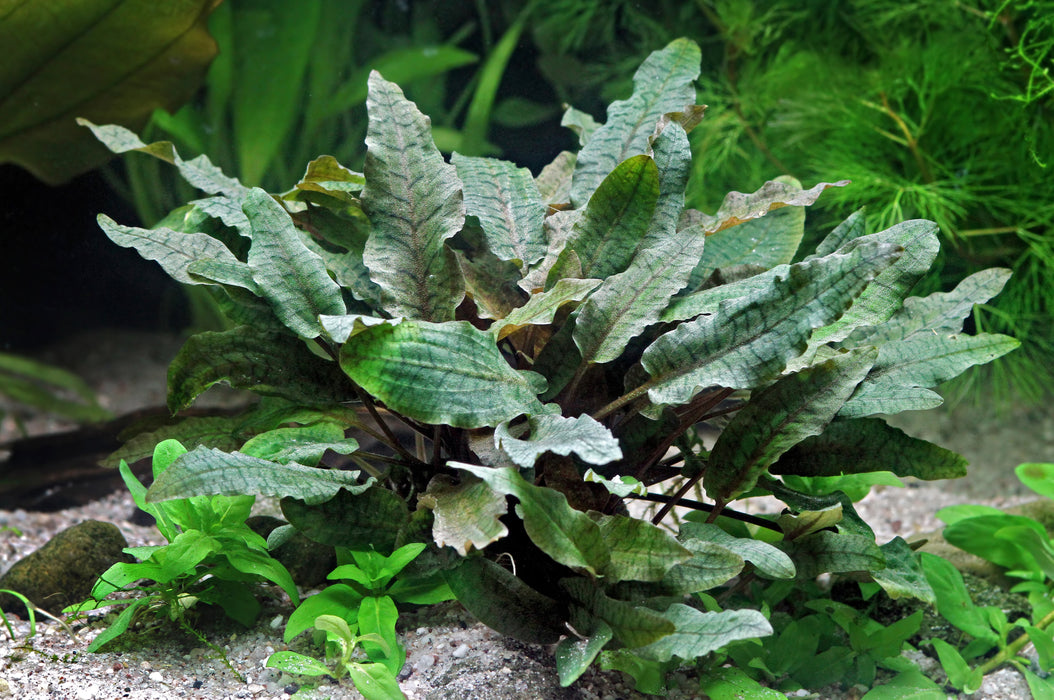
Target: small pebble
{"x": 156, "y": 676}
{"x": 461, "y": 652}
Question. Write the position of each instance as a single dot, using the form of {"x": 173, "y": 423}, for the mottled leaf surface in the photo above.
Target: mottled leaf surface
{"x": 640, "y": 551}
{"x": 359, "y": 519}
{"x": 466, "y": 513}
{"x": 541, "y": 307}
{"x": 585, "y": 437}
{"x": 698, "y": 633}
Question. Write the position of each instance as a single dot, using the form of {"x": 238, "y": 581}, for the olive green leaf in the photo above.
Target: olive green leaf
{"x": 554, "y": 182}
{"x": 632, "y": 625}
{"x": 340, "y": 328}
{"x": 558, "y": 226}
{"x": 413, "y": 199}
{"x": 574, "y": 656}
{"x": 836, "y": 553}
{"x": 590, "y": 440}
{"x": 640, "y": 551}
{"x": 324, "y": 175}
{"x": 582, "y": 123}
{"x": 662, "y": 84}
{"x": 503, "y": 602}
{"x": 569, "y": 536}
{"x": 863, "y": 445}
{"x": 447, "y": 373}
{"x": 750, "y": 339}
{"x": 466, "y": 513}
{"x": 303, "y": 444}
{"x": 291, "y": 277}
{"x": 698, "y": 633}
{"x": 903, "y": 575}
{"x": 508, "y": 205}
{"x": 97, "y": 59}
{"x": 357, "y": 517}
{"x": 768, "y": 559}
{"x": 780, "y": 416}
{"x": 774, "y": 194}
{"x": 541, "y": 307}
{"x": 205, "y": 471}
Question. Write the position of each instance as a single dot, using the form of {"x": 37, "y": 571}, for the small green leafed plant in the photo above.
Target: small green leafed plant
{"x": 212, "y": 557}
{"x": 499, "y": 336}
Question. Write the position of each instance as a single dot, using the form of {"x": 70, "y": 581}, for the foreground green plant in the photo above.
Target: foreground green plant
{"x": 212, "y": 557}
{"x": 526, "y": 330}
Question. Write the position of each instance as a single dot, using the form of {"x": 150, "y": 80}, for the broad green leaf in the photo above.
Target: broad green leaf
{"x": 303, "y": 444}
{"x": 640, "y": 551}
{"x": 375, "y": 681}
{"x": 851, "y": 522}
{"x": 632, "y": 625}
{"x": 731, "y": 683}
{"x": 662, "y": 84}
{"x": 958, "y": 671}
{"x": 341, "y": 328}
{"x": 648, "y": 676}
{"x": 1041, "y": 687}
{"x": 568, "y": 536}
{"x": 864, "y": 445}
{"x": 290, "y": 276}
{"x": 273, "y": 364}
{"x": 174, "y": 251}
{"x": 263, "y": 565}
{"x": 541, "y": 307}
{"x": 903, "y": 575}
{"x": 119, "y": 625}
{"x": 574, "y": 656}
{"x": 377, "y": 615}
{"x": 355, "y": 518}
{"x": 941, "y": 312}
{"x": 711, "y": 565}
{"x": 768, "y": 559}
{"x": 508, "y": 205}
{"x": 492, "y": 284}
{"x": 554, "y": 182}
{"x": 467, "y": 514}
{"x": 699, "y": 633}
{"x": 326, "y": 176}
{"x": 413, "y": 199}
{"x": 449, "y": 373}
{"x": 606, "y": 237}
{"x": 590, "y": 440}
{"x": 836, "y": 553}
{"x": 748, "y": 341}
{"x": 227, "y": 273}
{"x": 1037, "y": 476}
{"x": 199, "y": 171}
{"x": 271, "y": 51}
{"x": 774, "y": 194}
{"x": 207, "y": 471}
{"x": 805, "y": 523}
{"x": 672, "y": 153}
{"x": 92, "y": 58}
{"x": 905, "y": 368}
{"x": 582, "y": 123}
{"x": 980, "y": 535}
{"x": 503, "y": 602}
{"x": 621, "y": 486}
{"x": 909, "y": 685}
{"x": 292, "y": 662}
{"x": 780, "y": 416}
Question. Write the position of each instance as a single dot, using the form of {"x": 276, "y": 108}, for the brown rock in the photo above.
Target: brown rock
{"x": 63, "y": 571}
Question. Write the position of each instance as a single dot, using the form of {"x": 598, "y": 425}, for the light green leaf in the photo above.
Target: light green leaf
{"x": 268, "y": 363}
{"x": 326, "y": 176}
{"x": 863, "y": 445}
{"x": 569, "y": 536}
{"x": 375, "y": 681}
{"x": 449, "y": 373}
{"x": 292, "y": 662}
{"x": 574, "y": 656}
{"x": 206, "y": 471}
{"x": 303, "y": 444}
{"x": 582, "y": 123}
{"x": 662, "y": 84}
{"x": 503, "y": 602}
{"x": 467, "y": 514}
{"x": 91, "y": 58}
{"x": 632, "y": 625}
{"x": 748, "y": 341}
{"x": 711, "y": 565}
{"x": 554, "y": 182}
{"x": 174, "y": 251}
{"x": 621, "y": 486}
{"x": 290, "y": 276}
{"x": 541, "y": 307}
{"x": 699, "y": 633}
{"x": 768, "y": 559}
{"x": 836, "y": 553}
{"x": 640, "y": 551}
{"x": 731, "y": 683}
{"x": 591, "y": 441}
{"x": 341, "y": 328}
{"x": 905, "y": 368}
{"x": 780, "y": 416}
{"x": 558, "y": 226}
{"x": 610, "y": 230}
{"x": 413, "y": 199}
{"x": 492, "y": 284}
{"x": 1037, "y": 476}
{"x": 774, "y": 194}
{"x": 508, "y": 205}
{"x": 229, "y": 273}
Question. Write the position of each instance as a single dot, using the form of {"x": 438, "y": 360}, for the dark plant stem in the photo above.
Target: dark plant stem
{"x": 393, "y": 442}
{"x": 693, "y": 415}
{"x": 706, "y": 507}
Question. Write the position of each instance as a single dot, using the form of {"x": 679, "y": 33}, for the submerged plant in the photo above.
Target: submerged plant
{"x": 554, "y": 347}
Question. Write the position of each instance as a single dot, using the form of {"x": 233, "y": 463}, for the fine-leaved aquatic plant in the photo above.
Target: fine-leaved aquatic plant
{"x": 526, "y": 330}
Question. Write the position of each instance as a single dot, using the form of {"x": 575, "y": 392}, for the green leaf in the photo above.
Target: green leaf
{"x": 467, "y": 514}
{"x": 505, "y": 603}
{"x": 263, "y": 565}
{"x": 492, "y": 284}
{"x": 303, "y": 444}
{"x": 270, "y": 363}
{"x": 582, "y": 123}
{"x": 119, "y": 625}
{"x": 830, "y": 552}
{"x": 903, "y": 575}
{"x": 663, "y": 83}
{"x": 199, "y": 171}
{"x": 590, "y": 440}
{"x": 449, "y": 373}
{"x": 292, "y": 662}
{"x": 738, "y": 208}
{"x": 1041, "y": 688}
{"x": 910, "y": 685}
{"x": 413, "y": 199}
{"x": 37, "y": 384}
{"x": 355, "y": 518}
{"x": 375, "y": 681}
{"x": 541, "y": 307}
{"x": 554, "y": 182}
{"x": 710, "y": 565}
{"x": 508, "y": 205}
{"x": 904, "y": 369}
{"x": 378, "y": 615}
{"x": 959, "y": 673}
{"x": 640, "y": 551}
{"x": 979, "y": 535}
{"x": 648, "y": 676}
{"x": 632, "y": 625}
{"x": 699, "y": 633}
{"x": 863, "y": 445}
{"x": 768, "y": 559}
{"x": 1037, "y": 476}
{"x": 207, "y": 471}
{"x": 339, "y": 599}
{"x": 606, "y": 237}
{"x": 569, "y": 536}
{"x": 953, "y": 600}
{"x": 327, "y": 176}
{"x": 749, "y": 340}
{"x": 575, "y": 656}
{"x": 94, "y": 59}
{"x": 291, "y": 277}
{"x": 780, "y": 416}
{"x": 731, "y": 683}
